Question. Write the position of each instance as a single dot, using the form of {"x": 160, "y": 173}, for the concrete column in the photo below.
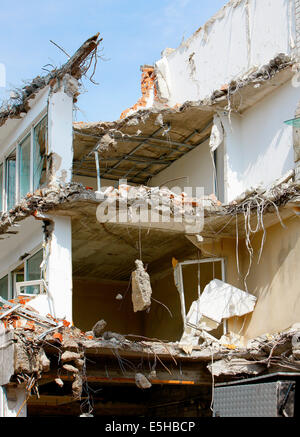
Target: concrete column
{"x": 13, "y": 401}
{"x": 59, "y": 268}
{"x": 60, "y": 130}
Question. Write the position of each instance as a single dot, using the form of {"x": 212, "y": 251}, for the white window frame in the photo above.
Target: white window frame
{"x": 12, "y": 292}
{"x": 200, "y": 261}
{"x": 39, "y": 282}
{"x": 15, "y": 145}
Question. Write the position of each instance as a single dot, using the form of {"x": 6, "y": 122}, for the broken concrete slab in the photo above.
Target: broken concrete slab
{"x": 141, "y": 288}
{"x": 99, "y": 328}
{"x": 235, "y": 366}
{"x": 220, "y": 300}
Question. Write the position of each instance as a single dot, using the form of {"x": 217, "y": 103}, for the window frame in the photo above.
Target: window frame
{"x": 15, "y": 146}
{"x": 222, "y": 260}
{"x": 12, "y": 291}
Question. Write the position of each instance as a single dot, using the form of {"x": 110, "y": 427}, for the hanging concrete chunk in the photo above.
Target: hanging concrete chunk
{"x": 141, "y": 381}
{"x": 235, "y": 366}
{"x": 141, "y": 288}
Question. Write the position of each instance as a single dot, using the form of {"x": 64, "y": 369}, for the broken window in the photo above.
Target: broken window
{"x": 24, "y": 171}
{"x": 11, "y": 180}
{"x": 39, "y": 153}
{"x": 4, "y": 287}
{"x": 1, "y": 186}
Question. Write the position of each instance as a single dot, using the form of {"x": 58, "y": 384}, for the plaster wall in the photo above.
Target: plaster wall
{"x": 275, "y": 281}
{"x": 258, "y": 145}
{"x": 195, "y": 168}
{"x": 12, "y": 247}
{"x": 242, "y": 35}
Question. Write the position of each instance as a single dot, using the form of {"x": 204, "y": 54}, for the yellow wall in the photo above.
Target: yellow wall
{"x": 94, "y": 300}
{"x": 275, "y": 280}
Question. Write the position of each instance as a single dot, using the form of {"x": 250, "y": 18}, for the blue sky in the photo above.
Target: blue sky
{"x": 134, "y": 33}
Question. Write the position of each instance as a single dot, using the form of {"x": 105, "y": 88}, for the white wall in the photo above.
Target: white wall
{"x": 259, "y": 146}
{"x": 12, "y": 247}
{"x": 196, "y": 165}
{"x": 60, "y": 134}
{"x": 242, "y": 35}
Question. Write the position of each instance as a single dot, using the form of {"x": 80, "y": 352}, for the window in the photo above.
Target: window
{"x": 32, "y": 273}
{"x": 24, "y": 170}
{"x": 4, "y": 287}
{"x": 1, "y": 186}
{"x": 33, "y": 264}
{"x": 26, "y": 277}
{"x": 39, "y": 153}
{"x": 11, "y": 180}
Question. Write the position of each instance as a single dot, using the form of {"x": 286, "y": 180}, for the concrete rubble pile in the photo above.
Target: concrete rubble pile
{"x": 31, "y": 332}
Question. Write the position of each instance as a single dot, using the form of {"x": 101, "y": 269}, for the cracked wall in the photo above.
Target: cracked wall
{"x": 243, "y": 34}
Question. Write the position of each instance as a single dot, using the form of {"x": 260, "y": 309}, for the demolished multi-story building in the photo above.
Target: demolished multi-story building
{"x": 149, "y": 264}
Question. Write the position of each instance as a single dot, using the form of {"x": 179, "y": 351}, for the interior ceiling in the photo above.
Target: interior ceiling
{"x": 144, "y": 144}
{"x": 109, "y": 251}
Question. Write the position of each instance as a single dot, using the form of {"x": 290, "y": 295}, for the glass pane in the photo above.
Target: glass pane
{"x": 39, "y": 153}
{"x": 30, "y": 289}
{"x": 11, "y": 180}
{"x": 33, "y": 273}
{"x": 33, "y": 267}
{"x": 1, "y": 185}
{"x": 25, "y": 167}
{"x": 4, "y": 287}
{"x": 19, "y": 277}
